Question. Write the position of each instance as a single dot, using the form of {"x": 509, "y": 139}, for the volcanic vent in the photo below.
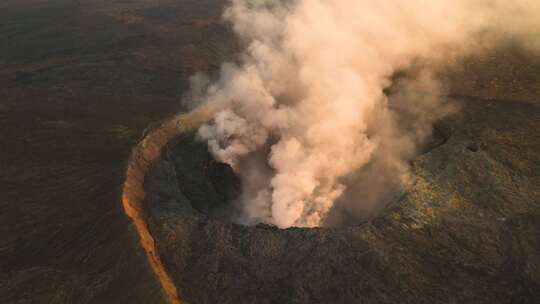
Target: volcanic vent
{"x": 213, "y": 188}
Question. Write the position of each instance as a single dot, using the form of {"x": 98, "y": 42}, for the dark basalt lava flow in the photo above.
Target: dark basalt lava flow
{"x": 465, "y": 231}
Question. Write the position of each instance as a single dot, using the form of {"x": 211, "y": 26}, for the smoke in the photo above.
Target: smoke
{"x": 303, "y": 117}
{"x": 517, "y": 20}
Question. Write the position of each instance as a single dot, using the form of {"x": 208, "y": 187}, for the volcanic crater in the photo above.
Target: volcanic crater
{"x": 214, "y": 189}
{"x": 446, "y": 210}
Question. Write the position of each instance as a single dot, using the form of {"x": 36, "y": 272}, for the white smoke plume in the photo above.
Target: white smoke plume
{"x": 303, "y": 118}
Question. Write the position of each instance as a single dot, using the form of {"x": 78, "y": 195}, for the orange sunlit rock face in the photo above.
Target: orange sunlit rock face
{"x": 133, "y": 193}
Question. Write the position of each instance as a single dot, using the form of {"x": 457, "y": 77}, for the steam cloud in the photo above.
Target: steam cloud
{"x": 303, "y": 117}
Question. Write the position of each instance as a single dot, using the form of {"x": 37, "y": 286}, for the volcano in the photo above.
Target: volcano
{"x": 108, "y": 197}
{"x": 464, "y": 196}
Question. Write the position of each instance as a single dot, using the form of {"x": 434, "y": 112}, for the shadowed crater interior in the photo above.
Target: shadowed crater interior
{"x": 211, "y": 187}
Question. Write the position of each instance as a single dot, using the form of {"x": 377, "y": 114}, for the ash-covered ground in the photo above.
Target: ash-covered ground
{"x": 81, "y": 80}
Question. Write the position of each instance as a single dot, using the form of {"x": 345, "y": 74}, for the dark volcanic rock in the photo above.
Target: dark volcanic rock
{"x": 467, "y": 230}
{"x": 210, "y": 186}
